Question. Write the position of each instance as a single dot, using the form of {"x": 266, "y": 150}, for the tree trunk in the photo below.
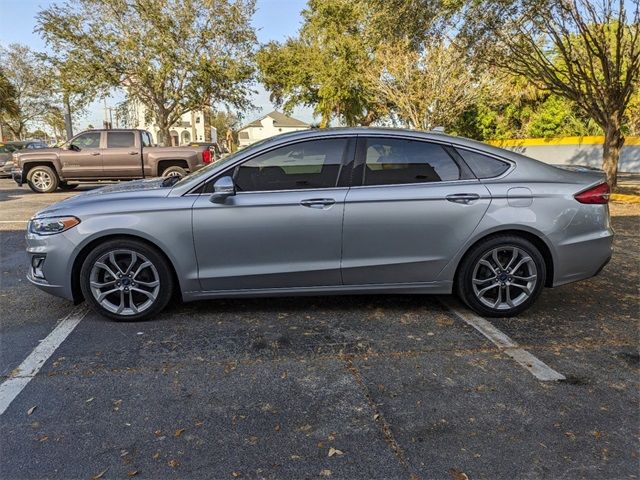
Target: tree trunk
{"x": 164, "y": 133}
{"x": 613, "y": 142}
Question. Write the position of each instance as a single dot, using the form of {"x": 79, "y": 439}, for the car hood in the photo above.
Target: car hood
{"x": 128, "y": 192}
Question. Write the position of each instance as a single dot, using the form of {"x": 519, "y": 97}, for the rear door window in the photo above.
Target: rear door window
{"x": 483, "y": 166}
{"x": 120, "y": 139}
{"x": 394, "y": 161}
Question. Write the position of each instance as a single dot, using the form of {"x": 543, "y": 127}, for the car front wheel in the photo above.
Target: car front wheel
{"x": 126, "y": 280}
{"x": 502, "y": 276}
{"x": 42, "y": 179}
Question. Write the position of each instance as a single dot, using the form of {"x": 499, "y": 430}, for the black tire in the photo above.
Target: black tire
{"x": 68, "y": 186}
{"x": 162, "y": 268}
{"x": 497, "y": 280}
{"x": 174, "y": 171}
{"x": 43, "y": 179}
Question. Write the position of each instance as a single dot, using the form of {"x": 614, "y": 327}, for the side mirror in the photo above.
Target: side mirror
{"x": 223, "y": 188}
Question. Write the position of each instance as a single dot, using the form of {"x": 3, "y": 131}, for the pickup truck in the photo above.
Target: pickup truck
{"x": 104, "y": 155}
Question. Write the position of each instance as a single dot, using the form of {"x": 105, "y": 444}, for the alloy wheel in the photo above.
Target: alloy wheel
{"x": 504, "y": 277}
{"x": 124, "y": 282}
{"x": 42, "y": 180}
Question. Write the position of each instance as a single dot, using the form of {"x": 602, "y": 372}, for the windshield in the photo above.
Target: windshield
{"x": 201, "y": 173}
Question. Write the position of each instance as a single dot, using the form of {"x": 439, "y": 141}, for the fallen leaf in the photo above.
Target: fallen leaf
{"x": 295, "y": 457}
{"x": 236, "y": 474}
{"x": 457, "y": 474}
{"x": 199, "y": 424}
{"x": 89, "y": 400}
{"x": 173, "y": 463}
{"x": 277, "y": 427}
{"x": 156, "y": 455}
{"x": 31, "y": 410}
{"x": 100, "y": 475}
{"x": 252, "y": 440}
{"x": 376, "y": 416}
{"x": 335, "y": 451}
{"x": 325, "y": 473}
{"x": 132, "y": 473}
{"x": 179, "y": 432}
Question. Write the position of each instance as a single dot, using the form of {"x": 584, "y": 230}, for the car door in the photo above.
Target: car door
{"x": 83, "y": 157}
{"x": 121, "y": 158}
{"x": 413, "y": 209}
{"x": 283, "y": 227}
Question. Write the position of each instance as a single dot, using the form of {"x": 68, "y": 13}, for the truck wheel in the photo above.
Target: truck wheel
{"x": 174, "y": 171}
{"x": 42, "y": 179}
{"x": 67, "y": 186}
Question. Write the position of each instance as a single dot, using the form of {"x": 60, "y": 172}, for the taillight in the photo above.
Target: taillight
{"x": 595, "y": 195}
{"x": 206, "y": 156}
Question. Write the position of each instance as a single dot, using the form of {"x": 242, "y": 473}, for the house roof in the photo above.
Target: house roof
{"x": 279, "y": 120}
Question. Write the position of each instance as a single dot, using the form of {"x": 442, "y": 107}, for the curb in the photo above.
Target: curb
{"x": 624, "y": 198}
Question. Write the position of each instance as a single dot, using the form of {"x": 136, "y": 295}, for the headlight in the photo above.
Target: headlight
{"x": 51, "y": 225}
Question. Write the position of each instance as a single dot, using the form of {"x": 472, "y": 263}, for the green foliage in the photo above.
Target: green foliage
{"x": 8, "y": 96}
{"x": 172, "y": 56}
{"x": 29, "y": 78}
{"x": 324, "y": 67}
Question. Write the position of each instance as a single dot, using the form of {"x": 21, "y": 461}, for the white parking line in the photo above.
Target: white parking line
{"x": 31, "y": 365}
{"x": 14, "y": 221}
{"x": 534, "y": 365}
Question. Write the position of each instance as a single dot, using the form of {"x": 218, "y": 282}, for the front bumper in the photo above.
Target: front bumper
{"x": 17, "y": 177}
{"x": 58, "y": 252}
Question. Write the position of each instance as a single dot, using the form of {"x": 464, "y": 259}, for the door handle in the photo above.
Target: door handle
{"x": 465, "y": 198}
{"x": 318, "y": 202}
{"x": 95, "y": 154}
{"x": 133, "y": 153}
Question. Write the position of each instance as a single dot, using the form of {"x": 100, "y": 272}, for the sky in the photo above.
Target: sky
{"x": 273, "y": 20}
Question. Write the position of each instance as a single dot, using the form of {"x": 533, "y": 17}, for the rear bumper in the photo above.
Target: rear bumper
{"x": 582, "y": 259}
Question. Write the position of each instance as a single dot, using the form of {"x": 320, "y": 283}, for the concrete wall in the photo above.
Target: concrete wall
{"x": 574, "y": 151}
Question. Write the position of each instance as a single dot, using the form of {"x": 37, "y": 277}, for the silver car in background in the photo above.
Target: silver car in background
{"x": 332, "y": 211}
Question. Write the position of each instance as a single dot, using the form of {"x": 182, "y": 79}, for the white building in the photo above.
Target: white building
{"x": 271, "y": 124}
{"x": 191, "y": 127}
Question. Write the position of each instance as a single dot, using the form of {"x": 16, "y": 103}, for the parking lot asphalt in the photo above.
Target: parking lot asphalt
{"x": 354, "y": 387}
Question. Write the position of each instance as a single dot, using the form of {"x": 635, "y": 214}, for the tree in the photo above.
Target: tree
{"x": 29, "y": 76}
{"x": 173, "y": 56}
{"x": 425, "y": 87}
{"x": 226, "y": 124}
{"x": 8, "y": 95}
{"x": 325, "y": 66}
{"x": 585, "y": 51}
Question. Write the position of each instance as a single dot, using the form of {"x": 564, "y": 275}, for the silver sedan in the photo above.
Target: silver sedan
{"x": 337, "y": 211}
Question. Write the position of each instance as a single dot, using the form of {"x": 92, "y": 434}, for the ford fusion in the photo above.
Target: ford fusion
{"x": 330, "y": 212}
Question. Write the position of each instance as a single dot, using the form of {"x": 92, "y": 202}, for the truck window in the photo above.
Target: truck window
{"x": 120, "y": 139}
{"x": 147, "y": 141}
{"x": 87, "y": 140}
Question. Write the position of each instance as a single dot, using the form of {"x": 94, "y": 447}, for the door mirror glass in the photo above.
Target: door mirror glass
{"x": 222, "y": 188}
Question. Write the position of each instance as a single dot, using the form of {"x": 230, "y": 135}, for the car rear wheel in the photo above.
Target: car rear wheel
{"x": 42, "y": 179}
{"x": 174, "y": 171}
{"x": 502, "y": 276}
{"x": 126, "y": 280}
